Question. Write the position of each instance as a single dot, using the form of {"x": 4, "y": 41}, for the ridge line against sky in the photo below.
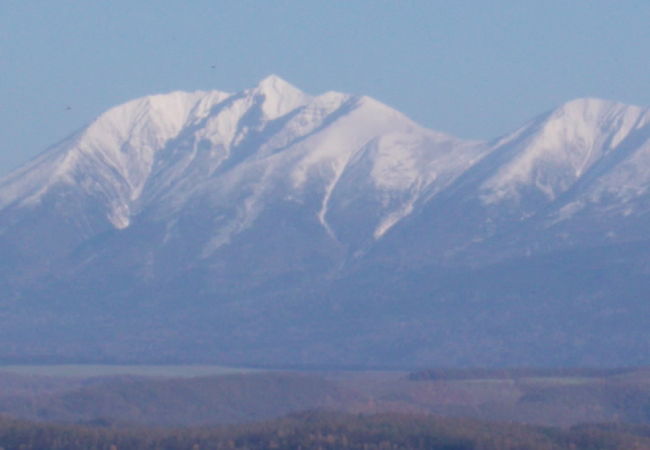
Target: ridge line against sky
{"x": 470, "y": 69}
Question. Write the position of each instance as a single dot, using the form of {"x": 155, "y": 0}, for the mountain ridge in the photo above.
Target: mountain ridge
{"x": 284, "y": 216}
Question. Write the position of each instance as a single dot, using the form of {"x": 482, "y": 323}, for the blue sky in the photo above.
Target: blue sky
{"x": 475, "y": 69}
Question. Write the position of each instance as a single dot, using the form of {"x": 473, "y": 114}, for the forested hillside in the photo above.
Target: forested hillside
{"x": 328, "y": 431}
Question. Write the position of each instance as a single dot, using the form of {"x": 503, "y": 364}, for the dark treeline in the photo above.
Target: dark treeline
{"x": 326, "y": 431}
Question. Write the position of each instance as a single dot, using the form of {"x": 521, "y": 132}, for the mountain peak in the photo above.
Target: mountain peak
{"x": 589, "y": 102}
{"x": 280, "y": 96}
{"x": 273, "y": 81}
{"x": 166, "y": 112}
{"x": 273, "y": 85}
{"x": 592, "y": 108}
{"x": 558, "y": 148}
{"x": 594, "y": 120}
{"x": 605, "y": 115}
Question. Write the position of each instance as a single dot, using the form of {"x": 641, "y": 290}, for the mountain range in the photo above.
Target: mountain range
{"x": 271, "y": 227}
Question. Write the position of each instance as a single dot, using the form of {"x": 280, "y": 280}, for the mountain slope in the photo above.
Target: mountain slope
{"x": 272, "y": 226}
{"x": 554, "y": 184}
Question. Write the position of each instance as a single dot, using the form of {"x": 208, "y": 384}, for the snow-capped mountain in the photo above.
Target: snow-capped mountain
{"x": 573, "y": 176}
{"x": 270, "y": 214}
{"x": 239, "y": 155}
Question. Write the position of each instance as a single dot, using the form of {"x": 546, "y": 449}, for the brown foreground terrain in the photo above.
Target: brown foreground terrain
{"x": 428, "y": 409}
{"x": 558, "y": 397}
{"x": 319, "y": 430}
